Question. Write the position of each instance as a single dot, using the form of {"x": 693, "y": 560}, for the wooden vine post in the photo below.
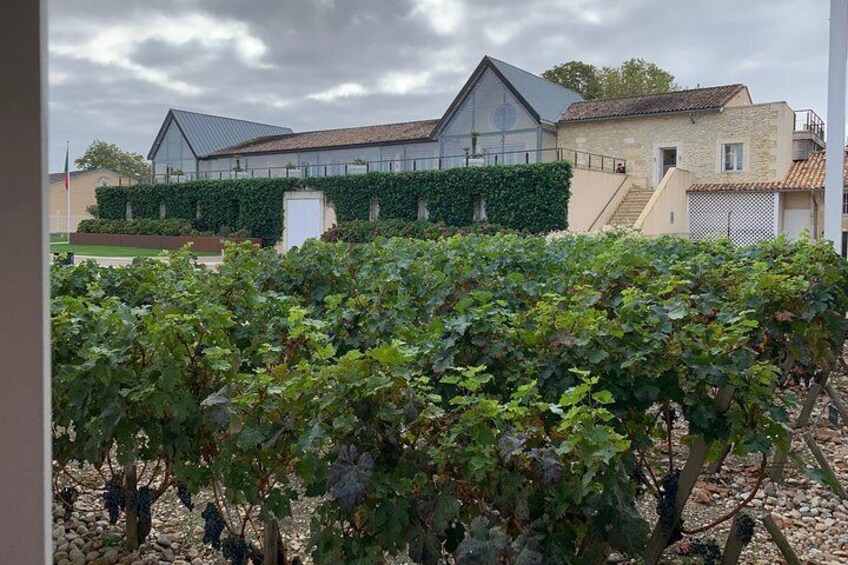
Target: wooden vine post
{"x": 688, "y": 477}
{"x": 733, "y": 546}
{"x": 780, "y": 540}
{"x": 270, "y": 543}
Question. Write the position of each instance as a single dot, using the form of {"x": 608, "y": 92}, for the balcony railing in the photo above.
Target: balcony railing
{"x": 809, "y": 121}
{"x": 579, "y": 159}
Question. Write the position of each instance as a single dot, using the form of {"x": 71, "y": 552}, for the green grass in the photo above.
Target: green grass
{"x": 110, "y": 250}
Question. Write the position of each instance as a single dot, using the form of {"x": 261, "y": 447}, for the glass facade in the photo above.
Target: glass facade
{"x": 174, "y": 154}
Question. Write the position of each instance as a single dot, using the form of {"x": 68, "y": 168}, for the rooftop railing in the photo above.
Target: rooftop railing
{"x": 808, "y": 121}
{"x": 579, "y": 159}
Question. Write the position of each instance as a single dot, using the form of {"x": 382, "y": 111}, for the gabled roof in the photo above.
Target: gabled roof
{"x": 545, "y": 100}
{"x": 335, "y": 138}
{"x": 206, "y": 134}
{"x": 695, "y": 99}
{"x": 57, "y": 177}
{"x": 548, "y": 99}
{"x": 803, "y": 176}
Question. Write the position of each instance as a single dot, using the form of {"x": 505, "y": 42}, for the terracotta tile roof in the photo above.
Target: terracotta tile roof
{"x": 735, "y": 187}
{"x": 802, "y": 176}
{"x": 343, "y": 137}
{"x": 809, "y": 173}
{"x": 710, "y": 98}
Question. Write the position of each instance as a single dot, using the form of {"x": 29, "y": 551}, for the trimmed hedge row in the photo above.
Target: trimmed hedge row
{"x": 146, "y": 226}
{"x": 521, "y": 197}
{"x": 217, "y": 206}
{"x": 359, "y": 231}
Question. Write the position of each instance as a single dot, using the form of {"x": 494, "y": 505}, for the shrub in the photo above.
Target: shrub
{"x": 363, "y": 231}
{"x": 145, "y": 226}
{"x": 530, "y": 198}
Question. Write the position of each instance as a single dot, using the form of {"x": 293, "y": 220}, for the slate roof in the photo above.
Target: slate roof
{"x": 331, "y": 138}
{"x": 547, "y": 99}
{"x": 695, "y": 99}
{"x": 803, "y": 176}
{"x": 207, "y": 134}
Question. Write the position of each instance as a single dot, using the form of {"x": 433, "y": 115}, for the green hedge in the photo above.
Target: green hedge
{"x": 521, "y": 197}
{"x": 216, "y": 206}
{"x": 145, "y": 226}
{"x": 362, "y": 231}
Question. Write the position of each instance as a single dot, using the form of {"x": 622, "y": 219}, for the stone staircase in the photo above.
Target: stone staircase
{"x": 631, "y": 206}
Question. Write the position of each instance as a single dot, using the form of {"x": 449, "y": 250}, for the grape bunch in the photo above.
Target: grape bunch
{"x": 145, "y": 499}
{"x": 666, "y": 505}
{"x": 67, "y": 497}
{"x": 114, "y": 499}
{"x": 235, "y": 549}
{"x": 708, "y": 550}
{"x": 746, "y": 528}
{"x": 213, "y": 525}
{"x": 185, "y": 495}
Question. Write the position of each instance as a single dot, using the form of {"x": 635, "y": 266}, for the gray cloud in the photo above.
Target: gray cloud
{"x": 115, "y": 70}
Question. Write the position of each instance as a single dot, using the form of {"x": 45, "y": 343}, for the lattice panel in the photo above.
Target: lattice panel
{"x": 744, "y": 217}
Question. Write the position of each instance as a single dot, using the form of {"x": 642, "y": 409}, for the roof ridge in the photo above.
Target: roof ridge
{"x": 681, "y": 91}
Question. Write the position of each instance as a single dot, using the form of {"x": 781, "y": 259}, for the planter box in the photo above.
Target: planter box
{"x": 201, "y": 244}
{"x": 476, "y": 161}
{"x": 356, "y": 169}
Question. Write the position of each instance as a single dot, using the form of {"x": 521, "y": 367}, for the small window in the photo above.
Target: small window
{"x": 733, "y": 158}
{"x": 374, "y": 211}
{"x": 423, "y": 212}
{"x": 480, "y": 209}
{"x": 845, "y": 203}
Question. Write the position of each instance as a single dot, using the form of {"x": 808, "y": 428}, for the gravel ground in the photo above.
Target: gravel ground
{"x": 814, "y": 520}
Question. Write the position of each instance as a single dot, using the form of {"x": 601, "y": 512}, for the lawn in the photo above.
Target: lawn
{"x": 110, "y": 250}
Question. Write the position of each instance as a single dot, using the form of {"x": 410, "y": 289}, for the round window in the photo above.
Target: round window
{"x": 505, "y": 116}
{"x": 103, "y": 181}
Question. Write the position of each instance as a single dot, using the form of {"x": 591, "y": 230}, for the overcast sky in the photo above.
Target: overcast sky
{"x": 116, "y": 67}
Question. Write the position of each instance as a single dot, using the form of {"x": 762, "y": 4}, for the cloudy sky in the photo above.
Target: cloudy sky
{"x": 116, "y": 67}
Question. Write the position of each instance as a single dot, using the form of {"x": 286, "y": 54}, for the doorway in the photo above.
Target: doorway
{"x": 667, "y": 160}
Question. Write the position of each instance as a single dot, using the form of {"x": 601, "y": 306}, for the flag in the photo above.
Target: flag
{"x": 67, "y": 171}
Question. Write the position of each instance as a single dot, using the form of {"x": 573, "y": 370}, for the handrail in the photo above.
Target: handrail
{"x": 607, "y": 164}
{"x": 611, "y": 198}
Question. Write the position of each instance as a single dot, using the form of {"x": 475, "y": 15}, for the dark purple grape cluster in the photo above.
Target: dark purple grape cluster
{"x": 184, "y": 495}
{"x": 67, "y": 497}
{"x": 746, "y": 528}
{"x": 708, "y": 550}
{"x": 236, "y": 550}
{"x": 213, "y": 525}
{"x": 145, "y": 500}
{"x": 114, "y": 499}
{"x": 667, "y": 502}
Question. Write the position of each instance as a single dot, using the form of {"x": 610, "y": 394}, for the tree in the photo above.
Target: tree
{"x": 103, "y": 155}
{"x": 578, "y": 76}
{"x": 635, "y": 77}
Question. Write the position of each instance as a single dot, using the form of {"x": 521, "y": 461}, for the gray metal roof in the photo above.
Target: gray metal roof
{"x": 548, "y": 99}
{"x": 206, "y": 134}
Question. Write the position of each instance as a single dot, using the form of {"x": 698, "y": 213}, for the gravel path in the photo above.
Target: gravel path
{"x": 813, "y": 518}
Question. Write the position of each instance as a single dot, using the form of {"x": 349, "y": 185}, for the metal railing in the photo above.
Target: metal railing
{"x": 808, "y": 120}
{"x": 579, "y": 159}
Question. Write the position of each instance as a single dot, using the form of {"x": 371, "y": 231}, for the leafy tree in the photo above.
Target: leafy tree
{"x": 578, "y": 76}
{"x": 103, "y": 155}
{"x": 635, "y": 77}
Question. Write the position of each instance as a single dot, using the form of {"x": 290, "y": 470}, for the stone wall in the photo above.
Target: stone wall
{"x": 764, "y": 129}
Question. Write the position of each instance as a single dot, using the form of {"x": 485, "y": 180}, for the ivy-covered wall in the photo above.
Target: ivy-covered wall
{"x": 522, "y": 197}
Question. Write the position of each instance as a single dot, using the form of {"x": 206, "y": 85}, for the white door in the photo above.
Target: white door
{"x": 303, "y": 220}
{"x": 795, "y": 222}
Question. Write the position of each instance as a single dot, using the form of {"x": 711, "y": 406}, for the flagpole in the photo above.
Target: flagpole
{"x": 68, "y": 178}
